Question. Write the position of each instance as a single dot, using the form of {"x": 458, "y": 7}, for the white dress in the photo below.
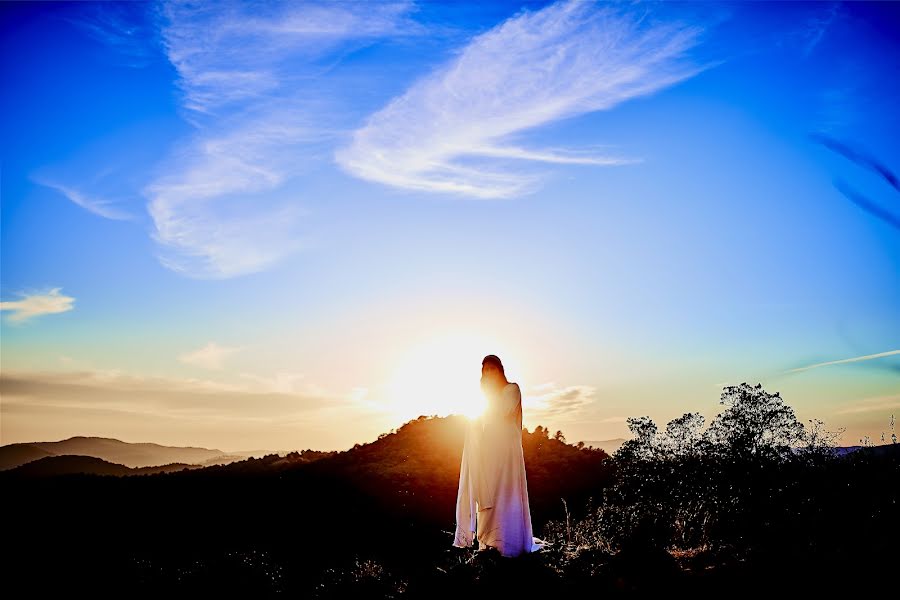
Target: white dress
{"x": 492, "y": 501}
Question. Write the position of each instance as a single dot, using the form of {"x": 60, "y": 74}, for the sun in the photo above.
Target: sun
{"x": 440, "y": 377}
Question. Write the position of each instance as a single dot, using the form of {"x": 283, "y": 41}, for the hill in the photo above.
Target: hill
{"x": 378, "y": 519}
{"x": 13, "y": 455}
{"x": 134, "y": 455}
{"x": 70, "y": 464}
{"x": 417, "y": 465}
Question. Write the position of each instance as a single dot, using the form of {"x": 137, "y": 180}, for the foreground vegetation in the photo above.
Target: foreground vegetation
{"x": 755, "y": 502}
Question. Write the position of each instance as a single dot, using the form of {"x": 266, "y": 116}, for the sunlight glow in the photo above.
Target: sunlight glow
{"x": 441, "y": 376}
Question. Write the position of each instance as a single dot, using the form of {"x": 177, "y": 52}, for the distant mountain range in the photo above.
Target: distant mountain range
{"x": 233, "y": 527}
{"x": 127, "y": 454}
{"x": 108, "y": 456}
{"x": 610, "y": 446}
{"x": 73, "y": 463}
{"x": 437, "y": 444}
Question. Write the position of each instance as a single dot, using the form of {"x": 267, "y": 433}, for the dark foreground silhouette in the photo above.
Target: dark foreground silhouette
{"x": 754, "y": 503}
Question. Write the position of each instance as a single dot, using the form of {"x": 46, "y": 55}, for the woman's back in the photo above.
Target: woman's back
{"x": 494, "y": 466}
{"x": 506, "y": 407}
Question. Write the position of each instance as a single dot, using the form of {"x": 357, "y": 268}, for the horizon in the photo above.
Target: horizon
{"x": 303, "y": 225}
{"x": 269, "y": 450}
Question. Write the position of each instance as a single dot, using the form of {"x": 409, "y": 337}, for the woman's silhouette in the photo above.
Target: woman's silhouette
{"x": 492, "y": 501}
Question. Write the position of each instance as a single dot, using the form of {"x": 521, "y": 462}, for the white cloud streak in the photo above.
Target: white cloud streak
{"x": 817, "y": 25}
{"x": 122, "y": 26}
{"x": 845, "y": 360}
{"x": 35, "y": 305}
{"x": 536, "y": 68}
{"x": 251, "y": 82}
{"x": 98, "y": 206}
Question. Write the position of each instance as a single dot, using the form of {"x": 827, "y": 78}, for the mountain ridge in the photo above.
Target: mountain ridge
{"x": 71, "y": 464}
{"x": 130, "y": 454}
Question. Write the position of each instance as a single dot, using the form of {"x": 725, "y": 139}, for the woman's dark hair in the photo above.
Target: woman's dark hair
{"x": 494, "y": 360}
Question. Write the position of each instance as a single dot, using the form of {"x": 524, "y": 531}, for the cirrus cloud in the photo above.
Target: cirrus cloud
{"x": 99, "y": 206}
{"x": 549, "y": 400}
{"x": 853, "y": 359}
{"x": 254, "y": 83}
{"x": 453, "y": 131}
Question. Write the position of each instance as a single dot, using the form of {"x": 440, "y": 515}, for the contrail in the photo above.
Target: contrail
{"x": 845, "y": 360}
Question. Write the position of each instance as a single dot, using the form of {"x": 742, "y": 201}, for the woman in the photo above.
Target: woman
{"x": 492, "y": 501}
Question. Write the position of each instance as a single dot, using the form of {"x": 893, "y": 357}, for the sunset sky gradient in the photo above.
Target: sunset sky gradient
{"x": 298, "y": 225}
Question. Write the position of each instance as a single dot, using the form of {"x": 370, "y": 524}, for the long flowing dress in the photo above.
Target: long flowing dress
{"x": 492, "y": 501}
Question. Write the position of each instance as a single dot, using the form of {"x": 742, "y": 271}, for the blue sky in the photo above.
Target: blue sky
{"x": 251, "y": 225}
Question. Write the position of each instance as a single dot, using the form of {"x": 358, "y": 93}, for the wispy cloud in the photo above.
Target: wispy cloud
{"x": 227, "y": 53}
{"x": 252, "y": 82}
{"x": 35, "y": 305}
{"x": 99, "y": 206}
{"x": 836, "y": 108}
{"x": 284, "y": 383}
{"x": 817, "y": 25}
{"x": 113, "y": 402}
{"x": 125, "y": 27}
{"x": 453, "y": 131}
{"x": 845, "y": 360}
{"x": 211, "y": 356}
{"x": 550, "y": 400}
{"x": 867, "y": 405}
{"x": 613, "y": 420}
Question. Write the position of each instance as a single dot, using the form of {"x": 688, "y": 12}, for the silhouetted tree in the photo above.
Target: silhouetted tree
{"x": 755, "y": 423}
{"x": 643, "y": 444}
{"x": 818, "y": 442}
{"x": 683, "y": 435}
